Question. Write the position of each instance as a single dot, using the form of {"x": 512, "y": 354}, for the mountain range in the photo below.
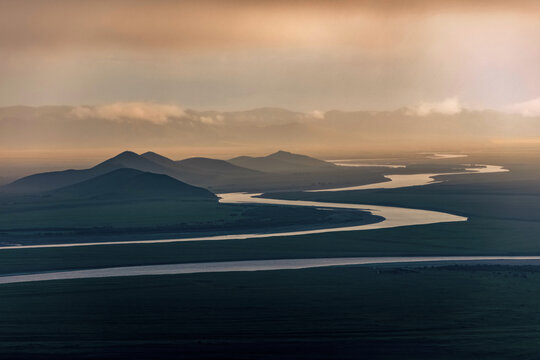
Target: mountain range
{"x": 282, "y": 161}
{"x": 199, "y": 171}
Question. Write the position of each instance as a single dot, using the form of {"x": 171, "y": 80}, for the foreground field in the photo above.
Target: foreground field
{"x": 382, "y": 312}
{"x": 343, "y": 312}
{"x": 41, "y": 223}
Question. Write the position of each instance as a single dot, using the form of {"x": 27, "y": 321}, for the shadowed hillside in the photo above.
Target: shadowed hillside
{"x": 243, "y": 173}
{"x": 196, "y": 171}
{"x": 282, "y": 161}
{"x": 57, "y": 179}
{"x": 134, "y": 185}
{"x": 206, "y": 165}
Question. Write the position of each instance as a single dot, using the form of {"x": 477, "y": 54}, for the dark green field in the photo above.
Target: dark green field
{"x": 449, "y": 312}
{"x": 34, "y": 222}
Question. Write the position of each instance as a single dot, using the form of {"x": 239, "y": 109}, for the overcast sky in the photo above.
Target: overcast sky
{"x": 241, "y": 54}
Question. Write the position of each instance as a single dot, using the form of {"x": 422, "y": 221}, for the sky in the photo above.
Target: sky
{"x": 301, "y": 55}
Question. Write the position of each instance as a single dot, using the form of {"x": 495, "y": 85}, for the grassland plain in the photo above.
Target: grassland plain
{"x": 381, "y": 312}
{"x": 73, "y": 221}
{"x": 504, "y": 219}
{"x": 448, "y": 312}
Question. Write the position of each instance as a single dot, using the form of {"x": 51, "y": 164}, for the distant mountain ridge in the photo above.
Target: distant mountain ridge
{"x": 202, "y": 164}
{"x": 196, "y": 171}
{"x": 158, "y": 159}
{"x": 56, "y": 179}
{"x": 282, "y": 161}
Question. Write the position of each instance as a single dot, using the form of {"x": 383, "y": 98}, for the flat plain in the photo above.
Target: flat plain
{"x": 392, "y": 311}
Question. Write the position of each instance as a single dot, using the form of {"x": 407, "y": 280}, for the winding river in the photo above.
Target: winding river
{"x": 393, "y": 217}
{"x": 398, "y": 181}
{"x": 261, "y": 265}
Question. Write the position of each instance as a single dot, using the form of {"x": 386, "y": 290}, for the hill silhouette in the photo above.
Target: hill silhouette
{"x": 243, "y": 173}
{"x": 158, "y": 159}
{"x": 222, "y": 167}
{"x": 282, "y": 161}
{"x": 194, "y": 170}
{"x": 56, "y": 179}
{"x": 133, "y": 185}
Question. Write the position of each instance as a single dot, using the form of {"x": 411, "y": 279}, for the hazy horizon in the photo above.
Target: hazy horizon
{"x": 226, "y": 78}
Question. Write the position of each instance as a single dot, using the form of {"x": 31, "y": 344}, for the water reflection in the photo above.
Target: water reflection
{"x": 259, "y": 265}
